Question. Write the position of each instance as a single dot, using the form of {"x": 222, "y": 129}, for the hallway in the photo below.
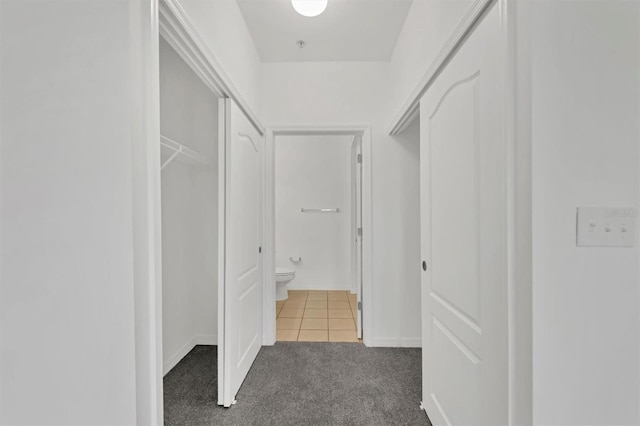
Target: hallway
{"x": 301, "y": 383}
{"x": 320, "y": 212}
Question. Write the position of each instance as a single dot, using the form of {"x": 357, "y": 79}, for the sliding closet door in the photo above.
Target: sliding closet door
{"x": 242, "y": 278}
{"x": 464, "y": 235}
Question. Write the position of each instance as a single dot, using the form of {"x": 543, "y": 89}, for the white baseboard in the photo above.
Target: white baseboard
{"x": 201, "y": 339}
{"x": 410, "y": 342}
{"x": 322, "y": 288}
{"x": 385, "y": 342}
{"x": 267, "y": 342}
{"x": 174, "y": 359}
{"x": 397, "y": 342}
{"x": 206, "y": 339}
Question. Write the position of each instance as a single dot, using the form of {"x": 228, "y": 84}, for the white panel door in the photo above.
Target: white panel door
{"x": 242, "y": 287}
{"x": 358, "y": 190}
{"x": 464, "y": 235}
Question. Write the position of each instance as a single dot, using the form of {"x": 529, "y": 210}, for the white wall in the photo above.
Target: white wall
{"x": 340, "y": 93}
{"x": 314, "y": 172}
{"x": 585, "y": 121}
{"x": 66, "y": 301}
{"x": 426, "y": 29}
{"x": 408, "y": 228}
{"x": 222, "y": 27}
{"x": 188, "y": 115}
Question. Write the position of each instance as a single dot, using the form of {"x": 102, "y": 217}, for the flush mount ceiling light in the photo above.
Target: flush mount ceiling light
{"x": 309, "y": 8}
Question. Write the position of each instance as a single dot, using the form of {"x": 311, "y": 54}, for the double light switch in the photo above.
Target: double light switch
{"x": 606, "y": 227}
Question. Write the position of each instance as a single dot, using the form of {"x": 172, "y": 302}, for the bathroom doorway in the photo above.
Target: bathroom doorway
{"x": 315, "y": 232}
{"x": 316, "y": 251}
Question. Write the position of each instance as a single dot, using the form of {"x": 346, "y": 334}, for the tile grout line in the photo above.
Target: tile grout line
{"x": 306, "y": 300}
{"x": 300, "y": 326}
{"x": 328, "y": 337}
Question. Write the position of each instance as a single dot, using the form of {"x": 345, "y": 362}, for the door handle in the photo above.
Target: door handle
{"x": 260, "y": 249}
{"x": 424, "y": 265}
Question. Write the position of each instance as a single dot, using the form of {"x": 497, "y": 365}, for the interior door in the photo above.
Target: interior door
{"x": 464, "y": 235}
{"x": 241, "y": 281}
{"x": 359, "y": 235}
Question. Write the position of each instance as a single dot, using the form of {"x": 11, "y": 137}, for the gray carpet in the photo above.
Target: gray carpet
{"x": 302, "y": 384}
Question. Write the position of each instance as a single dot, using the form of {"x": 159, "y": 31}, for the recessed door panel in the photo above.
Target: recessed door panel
{"x": 456, "y": 400}
{"x": 247, "y": 330}
{"x": 247, "y": 158}
{"x": 454, "y": 184}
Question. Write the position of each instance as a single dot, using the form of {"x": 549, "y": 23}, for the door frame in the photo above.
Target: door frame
{"x": 269, "y": 295}
{"x": 354, "y": 244}
{"x": 355, "y": 162}
{"x": 151, "y": 19}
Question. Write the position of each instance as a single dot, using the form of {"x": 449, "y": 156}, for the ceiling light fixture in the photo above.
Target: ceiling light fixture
{"x": 309, "y": 8}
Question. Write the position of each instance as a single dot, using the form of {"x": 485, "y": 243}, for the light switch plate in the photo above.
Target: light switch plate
{"x": 606, "y": 227}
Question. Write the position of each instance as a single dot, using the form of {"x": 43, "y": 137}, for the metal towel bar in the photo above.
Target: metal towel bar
{"x": 336, "y": 210}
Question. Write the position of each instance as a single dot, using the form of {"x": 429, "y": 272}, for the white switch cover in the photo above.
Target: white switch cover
{"x": 606, "y": 227}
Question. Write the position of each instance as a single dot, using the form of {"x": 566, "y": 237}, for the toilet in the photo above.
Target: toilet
{"x": 283, "y": 277}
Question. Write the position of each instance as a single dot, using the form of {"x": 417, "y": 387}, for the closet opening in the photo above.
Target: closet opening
{"x": 189, "y": 140}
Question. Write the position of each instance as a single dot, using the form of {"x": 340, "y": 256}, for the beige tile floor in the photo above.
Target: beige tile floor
{"x": 317, "y": 316}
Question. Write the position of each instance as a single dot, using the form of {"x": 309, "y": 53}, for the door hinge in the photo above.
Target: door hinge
{"x": 360, "y": 305}
{"x": 359, "y": 232}
{"x": 360, "y": 158}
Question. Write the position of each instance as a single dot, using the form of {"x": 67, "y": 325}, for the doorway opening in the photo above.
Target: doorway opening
{"x": 318, "y": 251}
{"x": 318, "y": 234}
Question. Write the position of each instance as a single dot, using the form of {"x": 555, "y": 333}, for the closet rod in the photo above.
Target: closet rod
{"x": 180, "y": 149}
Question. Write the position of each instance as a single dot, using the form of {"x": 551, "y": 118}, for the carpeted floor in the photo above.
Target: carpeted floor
{"x": 302, "y": 384}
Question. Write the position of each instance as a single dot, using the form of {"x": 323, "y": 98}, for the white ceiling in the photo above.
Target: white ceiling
{"x": 348, "y": 30}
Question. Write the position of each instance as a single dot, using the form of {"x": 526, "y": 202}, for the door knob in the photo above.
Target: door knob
{"x": 424, "y": 265}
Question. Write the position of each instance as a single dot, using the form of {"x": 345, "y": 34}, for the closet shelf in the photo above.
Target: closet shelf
{"x": 180, "y": 150}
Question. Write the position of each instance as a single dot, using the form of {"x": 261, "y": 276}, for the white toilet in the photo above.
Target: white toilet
{"x": 283, "y": 277}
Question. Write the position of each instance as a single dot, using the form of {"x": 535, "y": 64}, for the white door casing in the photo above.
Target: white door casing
{"x": 353, "y": 238}
{"x": 463, "y": 168}
{"x": 358, "y": 190}
{"x": 242, "y": 286}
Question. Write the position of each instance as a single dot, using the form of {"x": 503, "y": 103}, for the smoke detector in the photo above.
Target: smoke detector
{"x": 301, "y": 43}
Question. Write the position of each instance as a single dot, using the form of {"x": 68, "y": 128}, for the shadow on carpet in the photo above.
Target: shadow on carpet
{"x": 301, "y": 384}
